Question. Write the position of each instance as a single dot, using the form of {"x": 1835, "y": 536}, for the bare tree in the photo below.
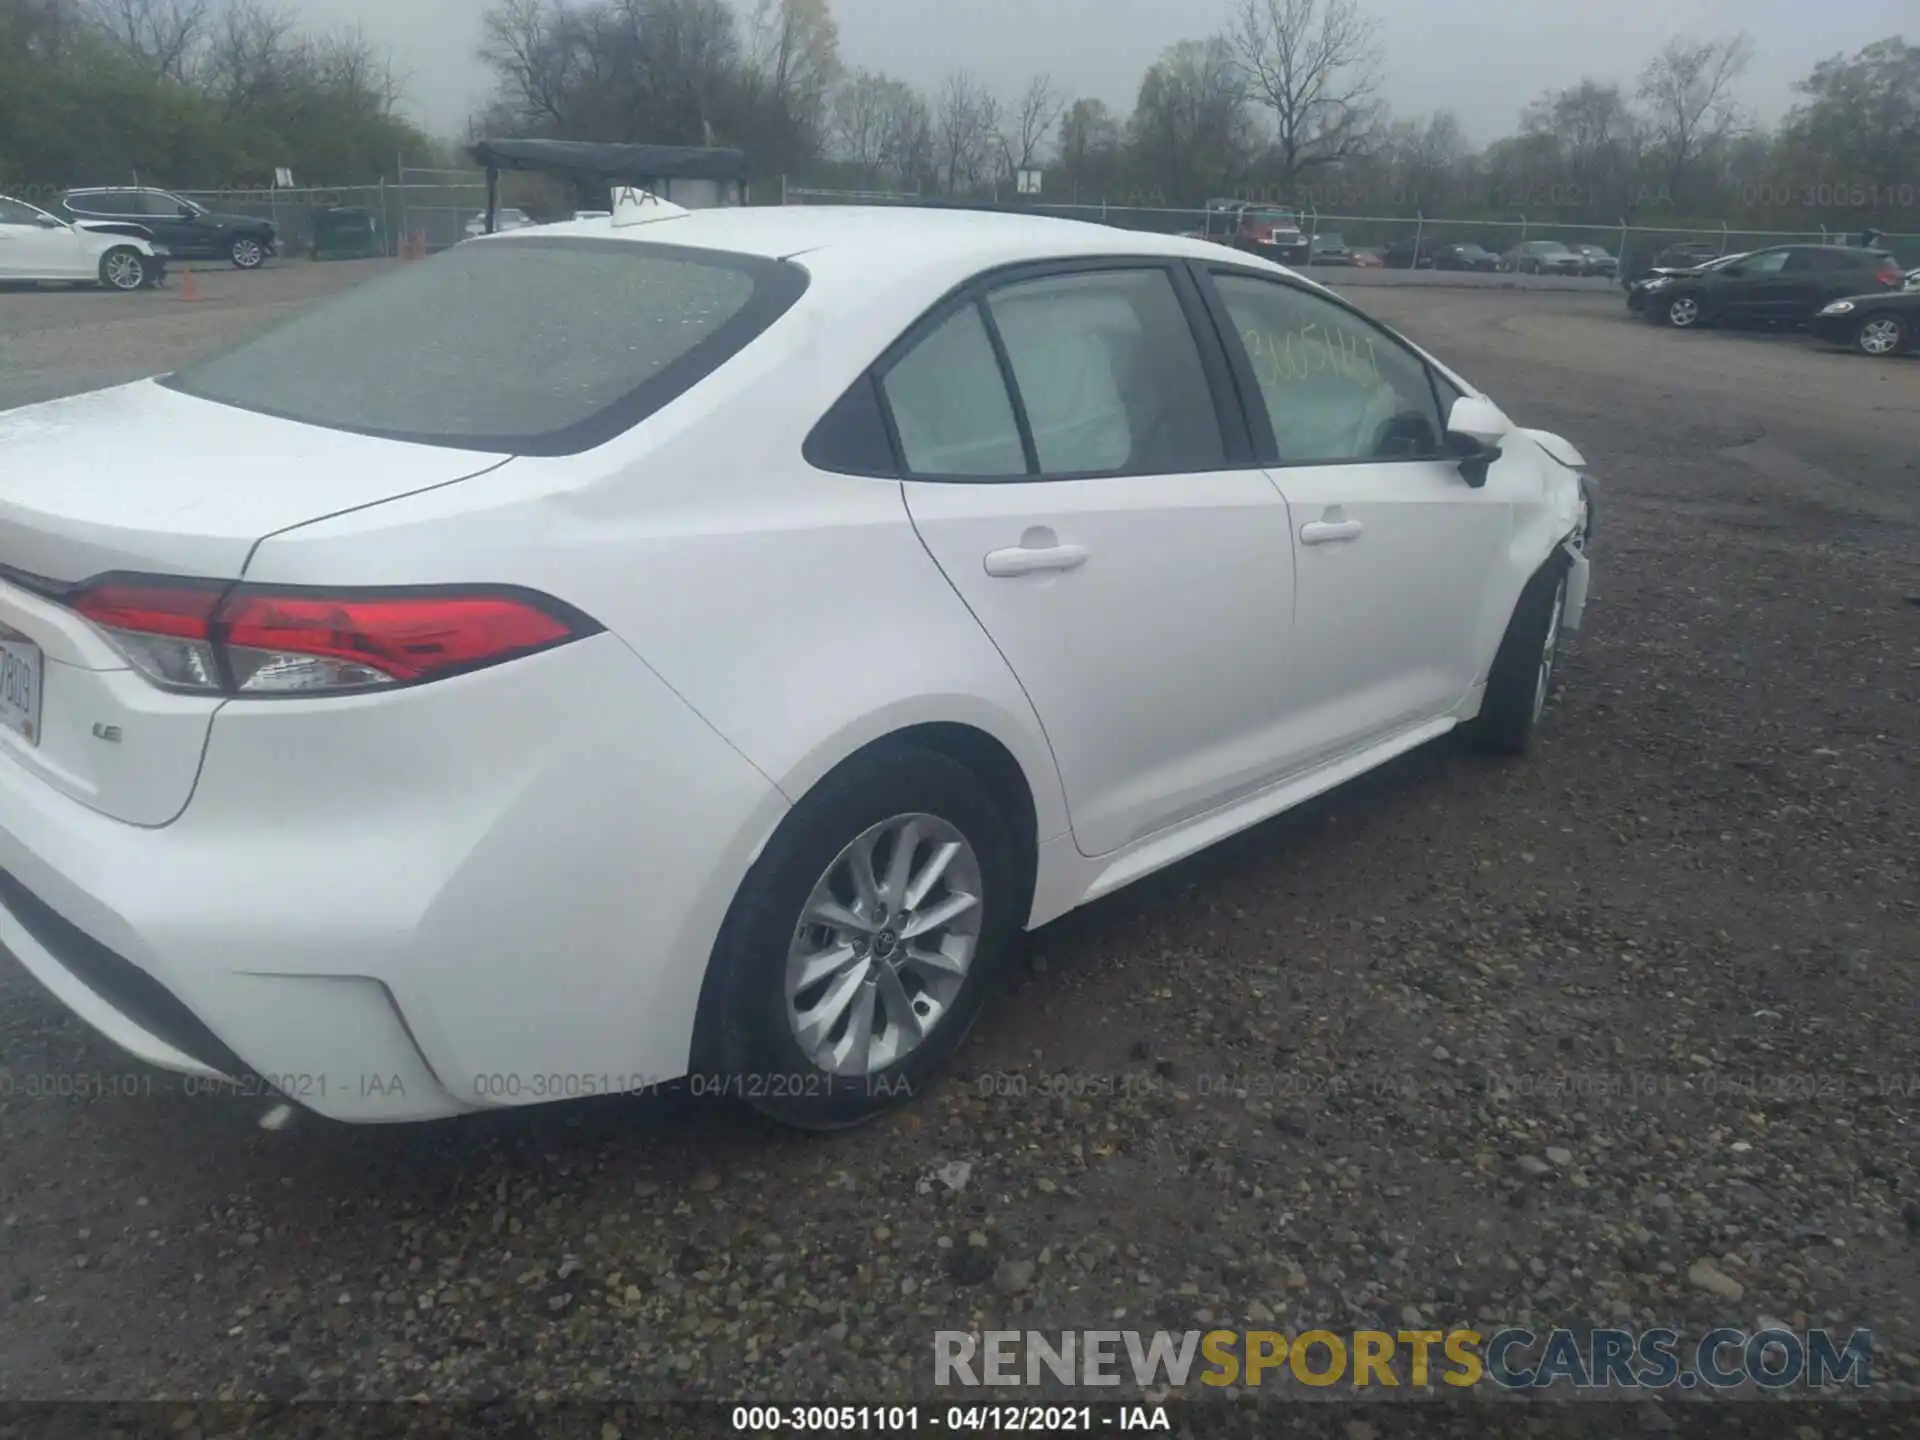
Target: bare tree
{"x": 1189, "y": 130}
{"x": 162, "y": 33}
{"x": 793, "y": 54}
{"x": 1315, "y": 65}
{"x": 1688, "y": 90}
{"x": 908, "y": 147}
{"x": 1089, "y": 144}
{"x": 251, "y": 57}
{"x": 860, "y": 121}
{"x": 1030, "y": 122}
{"x": 960, "y": 131}
{"x": 1595, "y": 135}
{"x": 525, "y": 45}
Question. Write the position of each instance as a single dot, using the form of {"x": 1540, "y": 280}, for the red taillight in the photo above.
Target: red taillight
{"x": 1890, "y": 274}
{"x": 257, "y": 641}
{"x": 181, "y": 611}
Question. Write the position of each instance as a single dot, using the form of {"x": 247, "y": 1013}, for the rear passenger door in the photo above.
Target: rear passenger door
{"x": 1079, "y": 470}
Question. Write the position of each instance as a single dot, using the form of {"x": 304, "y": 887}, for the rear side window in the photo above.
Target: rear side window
{"x": 949, "y": 403}
{"x": 537, "y": 346}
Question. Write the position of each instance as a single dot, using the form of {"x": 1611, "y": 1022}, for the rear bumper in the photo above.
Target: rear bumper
{"x": 496, "y": 890}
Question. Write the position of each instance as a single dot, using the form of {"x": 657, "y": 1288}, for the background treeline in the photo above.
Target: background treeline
{"x": 1288, "y": 104}
{"x": 191, "y": 93}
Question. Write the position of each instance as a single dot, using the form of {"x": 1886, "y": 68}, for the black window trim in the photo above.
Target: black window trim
{"x": 778, "y": 286}
{"x": 1236, "y": 443}
{"x": 1266, "y": 446}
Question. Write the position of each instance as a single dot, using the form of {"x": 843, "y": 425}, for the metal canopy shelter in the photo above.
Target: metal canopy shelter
{"x": 590, "y": 160}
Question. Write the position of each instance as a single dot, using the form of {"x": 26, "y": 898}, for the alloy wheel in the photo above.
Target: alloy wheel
{"x": 1683, "y": 311}
{"x": 125, "y": 271}
{"x": 1880, "y": 335}
{"x": 247, "y": 253}
{"x": 884, "y": 944}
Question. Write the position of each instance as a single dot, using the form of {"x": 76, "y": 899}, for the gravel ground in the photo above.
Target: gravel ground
{"x": 1622, "y": 1033}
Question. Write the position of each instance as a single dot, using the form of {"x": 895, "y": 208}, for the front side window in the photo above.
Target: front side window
{"x": 160, "y": 204}
{"x": 1771, "y": 263}
{"x": 950, "y": 406}
{"x": 524, "y": 345}
{"x": 1109, "y": 374}
{"x": 1336, "y": 389}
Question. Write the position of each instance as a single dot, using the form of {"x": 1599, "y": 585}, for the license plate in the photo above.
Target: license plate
{"x": 20, "y": 670}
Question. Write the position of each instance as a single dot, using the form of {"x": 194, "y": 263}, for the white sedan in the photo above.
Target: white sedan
{"x": 37, "y": 246}
{"x": 702, "y": 657}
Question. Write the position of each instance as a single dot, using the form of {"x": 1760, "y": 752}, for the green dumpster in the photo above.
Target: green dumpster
{"x": 346, "y": 232}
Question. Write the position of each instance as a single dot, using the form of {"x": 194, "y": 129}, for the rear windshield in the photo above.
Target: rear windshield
{"x": 541, "y": 346}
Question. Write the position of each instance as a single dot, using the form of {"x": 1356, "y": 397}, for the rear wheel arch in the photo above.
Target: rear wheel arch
{"x": 1001, "y": 777}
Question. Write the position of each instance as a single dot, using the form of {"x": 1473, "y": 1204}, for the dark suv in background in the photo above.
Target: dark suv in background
{"x": 190, "y": 231}
{"x": 1784, "y": 284}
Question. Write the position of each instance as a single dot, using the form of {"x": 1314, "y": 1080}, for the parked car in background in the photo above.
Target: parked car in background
{"x": 507, "y": 217}
{"x": 1683, "y": 255}
{"x": 35, "y": 245}
{"x": 1464, "y": 255}
{"x": 1783, "y": 284}
{"x": 1330, "y": 249}
{"x": 1596, "y": 260}
{"x": 507, "y": 715}
{"x": 1877, "y": 324}
{"x": 187, "y": 229}
{"x": 1639, "y": 290}
{"x": 593, "y": 214}
{"x": 1406, "y": 255}
{"x": 1542, "y": 257}
{"x": 1369, "y": 257}
{"x": 1913, "y": 280}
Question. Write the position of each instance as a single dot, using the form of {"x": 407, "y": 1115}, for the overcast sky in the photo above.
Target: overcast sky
{"x": 1482, "y": 59}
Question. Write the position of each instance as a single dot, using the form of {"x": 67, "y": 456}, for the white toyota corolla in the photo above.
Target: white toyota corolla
{"x": 696, "y": 643}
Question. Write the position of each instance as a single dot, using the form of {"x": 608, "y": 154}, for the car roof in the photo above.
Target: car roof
{"x": 856, "y": 235}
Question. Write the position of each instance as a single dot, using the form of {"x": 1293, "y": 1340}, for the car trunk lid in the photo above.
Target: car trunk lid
{"x": 145, "y": 480}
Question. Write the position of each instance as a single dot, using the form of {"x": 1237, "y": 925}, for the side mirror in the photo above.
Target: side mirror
{"x": 186, "y": 212}
{"x": 1475, "y": 430}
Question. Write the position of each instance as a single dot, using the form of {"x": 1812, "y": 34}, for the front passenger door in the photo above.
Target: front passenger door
{"x": 182, "y": 234}
{"x": 1394, "y": 550}
{"x": 1074, "y": 468}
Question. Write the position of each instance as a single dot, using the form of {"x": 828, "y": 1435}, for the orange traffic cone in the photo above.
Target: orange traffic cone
{"x": 189, "y": 287}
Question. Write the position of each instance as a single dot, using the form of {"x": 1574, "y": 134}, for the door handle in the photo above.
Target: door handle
{"x": 1032, "y": 560}
{"x": 1323, "y": 532}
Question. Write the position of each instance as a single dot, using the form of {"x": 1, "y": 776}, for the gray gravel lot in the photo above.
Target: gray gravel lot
{"x": 1621, "y": 1033}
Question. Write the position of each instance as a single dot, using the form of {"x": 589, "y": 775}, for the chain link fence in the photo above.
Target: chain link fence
{"x": 429, "y": 208}
{"x": 1407, "y": 237}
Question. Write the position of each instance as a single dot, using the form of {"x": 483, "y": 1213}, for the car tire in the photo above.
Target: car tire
{"x": 248, "y": 252}
{"x": 1880, "y": 335}
{"x": 764, "y": 995}
{"x": 124, "y": 268}
{"x": 1684, "y": 311}
{"x": 1521, "y": 680}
